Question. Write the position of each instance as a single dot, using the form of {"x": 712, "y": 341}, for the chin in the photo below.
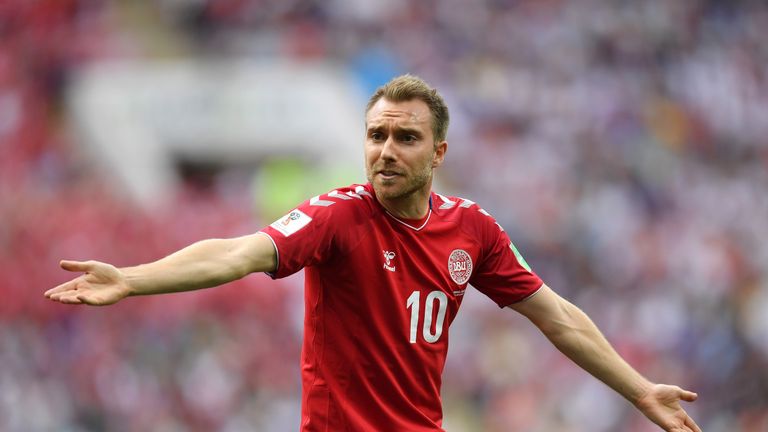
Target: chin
{"x": 387, "y": 191}
{"x": 399, "y": 188}
{"x": 394, "y": 192}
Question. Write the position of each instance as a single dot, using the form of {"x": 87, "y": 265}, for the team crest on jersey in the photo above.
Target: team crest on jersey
{"x": 460, "y": 266}
{"x": 291, "y": 222}
{"x": 389, "y": 256}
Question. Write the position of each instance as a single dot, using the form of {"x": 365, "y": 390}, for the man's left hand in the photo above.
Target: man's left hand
{"x": 662, "y": 405}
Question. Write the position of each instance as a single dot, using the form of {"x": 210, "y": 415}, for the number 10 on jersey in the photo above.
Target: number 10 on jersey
{"x": 414, "y": 304}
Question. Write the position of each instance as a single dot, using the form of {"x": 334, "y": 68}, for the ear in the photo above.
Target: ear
{"x": 440, "y": 149}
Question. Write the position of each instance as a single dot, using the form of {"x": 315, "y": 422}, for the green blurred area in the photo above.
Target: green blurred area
{"x": 282, "y": 182}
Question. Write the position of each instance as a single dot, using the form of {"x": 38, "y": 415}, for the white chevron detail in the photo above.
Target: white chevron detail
{"x": 484, "y": 212}
{"x": 354, "y": 195}
{"x": 336, "y": 194}
{"x": 316, "y": 201}
{"x": 360, "y": 190}
{"x": 446, "y": 202}
{"x": 466, "y": 203}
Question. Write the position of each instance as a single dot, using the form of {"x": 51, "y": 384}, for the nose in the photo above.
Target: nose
{"x": 388, "y": 151}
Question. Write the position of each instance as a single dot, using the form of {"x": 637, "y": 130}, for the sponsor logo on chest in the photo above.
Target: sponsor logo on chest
{"x": 389, "y": 257}
{"x": 460, "y": 266}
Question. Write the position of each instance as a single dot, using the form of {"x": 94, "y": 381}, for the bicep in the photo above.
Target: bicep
{"x": 545, "y": 308}
{"x": 255, "y": 253}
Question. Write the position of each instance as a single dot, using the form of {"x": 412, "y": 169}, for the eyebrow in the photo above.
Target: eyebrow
{"x": 398, "y": 129}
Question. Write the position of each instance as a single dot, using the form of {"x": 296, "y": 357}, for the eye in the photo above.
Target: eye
{"x": 409, "y": 138}
{"x": 377, "y": 136}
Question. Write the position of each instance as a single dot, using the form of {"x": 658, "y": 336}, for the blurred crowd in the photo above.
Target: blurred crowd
{"x": 621, "y": 144}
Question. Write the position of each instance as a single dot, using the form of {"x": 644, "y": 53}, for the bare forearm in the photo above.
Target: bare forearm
{"x": 576, "y": 336}
{"x": 573, "y": 333}
{"x": 204, "y": 264}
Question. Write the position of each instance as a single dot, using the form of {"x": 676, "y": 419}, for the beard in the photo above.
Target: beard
{"x": 402, "y": 186}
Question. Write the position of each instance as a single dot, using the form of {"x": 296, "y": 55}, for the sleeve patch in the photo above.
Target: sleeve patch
{"x": 519, "y": 256}
{"x": 292, "y": 222}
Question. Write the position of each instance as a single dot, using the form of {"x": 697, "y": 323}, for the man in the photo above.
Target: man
{"x": 387, "y": 264}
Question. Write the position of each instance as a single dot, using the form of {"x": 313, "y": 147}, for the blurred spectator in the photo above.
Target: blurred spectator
{"x": 621, "y": 144}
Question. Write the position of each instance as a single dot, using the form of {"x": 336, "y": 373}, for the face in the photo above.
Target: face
{"x": 400, "y": 149}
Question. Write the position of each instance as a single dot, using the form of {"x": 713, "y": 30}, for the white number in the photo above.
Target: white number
{"x": 413, "y": 300}
{"x": 429, "y": 304}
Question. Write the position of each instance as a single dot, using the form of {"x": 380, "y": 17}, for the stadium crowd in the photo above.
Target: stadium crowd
{"x": 621, "y": 144}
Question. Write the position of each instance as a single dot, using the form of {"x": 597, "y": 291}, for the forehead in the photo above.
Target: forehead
{"x": 414, "y": 112}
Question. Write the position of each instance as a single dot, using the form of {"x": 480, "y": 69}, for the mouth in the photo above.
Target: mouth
{"x": 388, "y": 174}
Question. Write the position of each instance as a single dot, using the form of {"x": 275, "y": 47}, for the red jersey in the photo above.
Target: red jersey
{"x": 380, "y": 294}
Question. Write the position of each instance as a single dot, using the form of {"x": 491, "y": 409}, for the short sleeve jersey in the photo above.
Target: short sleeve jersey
{"x": 380, "y": 294}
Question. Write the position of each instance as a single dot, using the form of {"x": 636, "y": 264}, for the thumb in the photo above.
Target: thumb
{"x": 76, "y": 266}
{"x": 688, "y": 396}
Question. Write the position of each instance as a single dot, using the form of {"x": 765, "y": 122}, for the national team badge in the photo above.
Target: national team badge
{"x": 460, "y": 266}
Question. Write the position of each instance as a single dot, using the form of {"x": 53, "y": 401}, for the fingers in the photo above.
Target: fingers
{"x": 688, "y": 396}
{"x": 691, "y": 424}
{"x": 69, "y": 297}
{"x": 68, "y": 291}
{"x": 66, "y": 286}
{"x": 77, "y": 266}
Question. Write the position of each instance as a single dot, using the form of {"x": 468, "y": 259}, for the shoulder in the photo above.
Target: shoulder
{"x": 357, "y": 192}
{"x": 342, "y": 207}
{"x": 460, "y": 209}
{"x": 348, "y": 201}
{"x": 467, "y": 216}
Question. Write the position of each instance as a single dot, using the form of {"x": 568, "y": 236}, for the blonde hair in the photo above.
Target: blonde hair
{"x": 408, "y": 87}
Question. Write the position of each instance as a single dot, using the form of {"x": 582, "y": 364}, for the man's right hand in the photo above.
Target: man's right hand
{"x": 203, "y": 264}
{"x": 100, "y": 284}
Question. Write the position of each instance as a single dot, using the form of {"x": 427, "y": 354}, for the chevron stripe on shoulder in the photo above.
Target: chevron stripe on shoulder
{"x": 339, "y": 195}
{"x": 451, "y": 202}
{"x": 463, "y": 203}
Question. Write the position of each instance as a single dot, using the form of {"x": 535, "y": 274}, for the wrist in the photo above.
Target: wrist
{"x": 131, "y": 279}
{"x": 640, "y": 392}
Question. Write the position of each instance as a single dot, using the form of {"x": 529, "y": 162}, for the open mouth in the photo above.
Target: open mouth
{"x": 388, "y": 173}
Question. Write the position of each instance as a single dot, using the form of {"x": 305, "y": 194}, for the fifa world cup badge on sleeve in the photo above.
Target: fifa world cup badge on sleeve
{"x": 292, "y": 222}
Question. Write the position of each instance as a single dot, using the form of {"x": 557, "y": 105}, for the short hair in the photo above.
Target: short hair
{"x": 408, "y": 87}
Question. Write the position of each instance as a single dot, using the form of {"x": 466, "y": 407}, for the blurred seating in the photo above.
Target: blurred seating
{"x": 622, "y": 146}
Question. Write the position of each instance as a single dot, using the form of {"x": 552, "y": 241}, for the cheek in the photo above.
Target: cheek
{"x": 371, "y": 154}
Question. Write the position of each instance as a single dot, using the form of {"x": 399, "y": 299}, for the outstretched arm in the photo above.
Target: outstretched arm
{"x": 204, "y": 264}
{"x": 576, "y": 336}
